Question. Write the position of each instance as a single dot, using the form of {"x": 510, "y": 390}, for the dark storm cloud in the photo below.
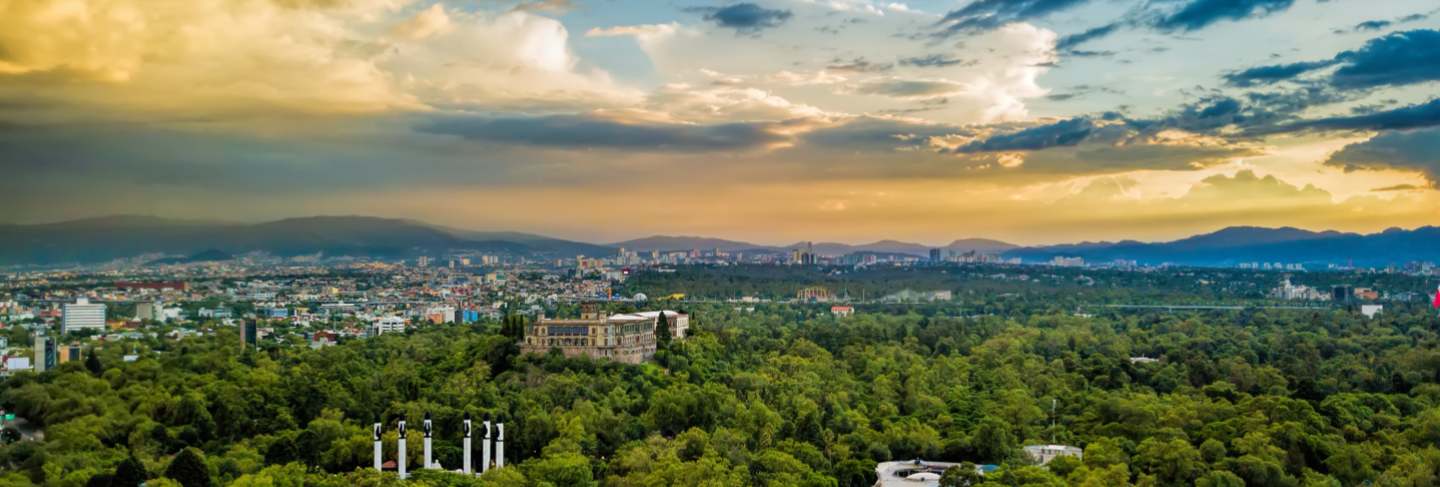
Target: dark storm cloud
{"x": 581, "y": 132}
{"x": 989, "y": 14}
{"x": 1398, "y": 58}
{"x": 1417, "y": 150}
{"x": 745, "y": 17}
{"x": 1198, "y": 14}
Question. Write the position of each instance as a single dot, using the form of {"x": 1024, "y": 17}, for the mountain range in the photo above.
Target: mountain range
{"x": 107, "y": 238}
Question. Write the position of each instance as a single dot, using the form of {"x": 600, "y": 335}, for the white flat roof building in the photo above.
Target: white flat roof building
{"x": 912, "y": 473}
{"x": 83, "y": 315}
{"x": 1043, "y": 454}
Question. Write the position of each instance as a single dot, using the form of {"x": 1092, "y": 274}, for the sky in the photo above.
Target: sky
{"x": 773, "y": 121}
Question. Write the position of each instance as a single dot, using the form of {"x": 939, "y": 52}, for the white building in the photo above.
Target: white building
{"x": 388, "y": 324}
{"x": 17, "y": 364}
{"x": 1043, "y": 454}
{"x": 83, "y": 315}
{"x": 1370, "y": 310}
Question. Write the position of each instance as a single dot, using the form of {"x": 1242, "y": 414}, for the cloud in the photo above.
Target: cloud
{"x": 911, "y": 89}
{"x": 1063, "y": 133}
{"x": 428, "y": 22}
{"x": 1372, "y": 25}
{"x": 646, "y": 31}
{"x": 1414, "y": 116}
{"x": 1072, "y": 41}
{"x": 1397, "y": 187}
{"x": 552, "y": 6}
{"x": 1413, "y": 150}
{"x": 1257, "y": 190}
{"x": 591, "y": 132}
{"x": 932, "y": 61}
{"x": 884, "y": 134}
{"x": 1399, "y": 58}
{"x": 1396, "y": 59}
{"x": 746, "y": 18}
{"x": 1197, "y": 14}
{"x": 128, "y": 60}
{"x": 1375, "y": 25}
{"x": 1260, "y": 75}
{"x": 991, "y": 14}
{"x": 858, "y": 65}
{"x": 683, "y": 103}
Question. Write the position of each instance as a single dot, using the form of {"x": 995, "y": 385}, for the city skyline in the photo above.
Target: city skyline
{"x": 1028, "y": 121}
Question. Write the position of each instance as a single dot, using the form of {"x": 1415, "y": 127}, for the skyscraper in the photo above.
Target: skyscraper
{"x": 935, "y": 255}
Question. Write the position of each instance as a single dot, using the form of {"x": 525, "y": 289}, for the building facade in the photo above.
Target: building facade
{"x": 83, "y": 315}
{"x": 388, "y": 324}
{"x": 627, "y": 338}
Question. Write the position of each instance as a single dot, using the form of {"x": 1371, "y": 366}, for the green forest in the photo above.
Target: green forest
{"x": 774, "y": 395}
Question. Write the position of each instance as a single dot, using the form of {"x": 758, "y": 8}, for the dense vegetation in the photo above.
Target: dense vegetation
{"x": 983, "y": 284}
{"x": 783, "y": 395}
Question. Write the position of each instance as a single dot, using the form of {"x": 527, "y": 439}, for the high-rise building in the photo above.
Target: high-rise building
{"x": 935, "y": 255}
{"x": 248, "y": 334}
{"x": 45, "y": 356}
{"x": 153, "y": 311}
{"x": 83, "y": 315}
{"x": 423, "y": 261}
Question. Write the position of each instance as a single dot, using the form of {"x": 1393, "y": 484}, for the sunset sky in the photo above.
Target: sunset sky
{"x": 1031, "y": 121}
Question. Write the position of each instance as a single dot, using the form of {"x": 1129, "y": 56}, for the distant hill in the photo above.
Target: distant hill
{"x": 1235, "y": 245}
{"x": 677, "y": 242}
{"x": 124, "y": 236}
{"x": 535, "y": 243}
{"x": 108, "y": 238}
{"x": 211, "y": 255}
{"x": 979, "y": 246}
{"x": 895, "y": 247}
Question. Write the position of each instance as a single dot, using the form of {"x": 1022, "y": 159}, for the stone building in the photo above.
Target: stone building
{"x": 626, "y": 337}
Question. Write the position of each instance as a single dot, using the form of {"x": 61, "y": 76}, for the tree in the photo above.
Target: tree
{"x": 189, "y": 469}
{"x": 993, "y": 441}
{"x": 662, "y": 332}
{"x": 130, "y": 473}
{"x": 92, "y": 364}
{"x": 962, "y": 475}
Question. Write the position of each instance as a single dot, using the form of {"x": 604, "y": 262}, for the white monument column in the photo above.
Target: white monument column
{"x": 499, "y": 445}
{"x": 400, "y": 464}
{"x": 485, "y": 449}
{"x": 379, "y": 450}
{"x": 466, "y": 466}
{"x": 429, "y": 462}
